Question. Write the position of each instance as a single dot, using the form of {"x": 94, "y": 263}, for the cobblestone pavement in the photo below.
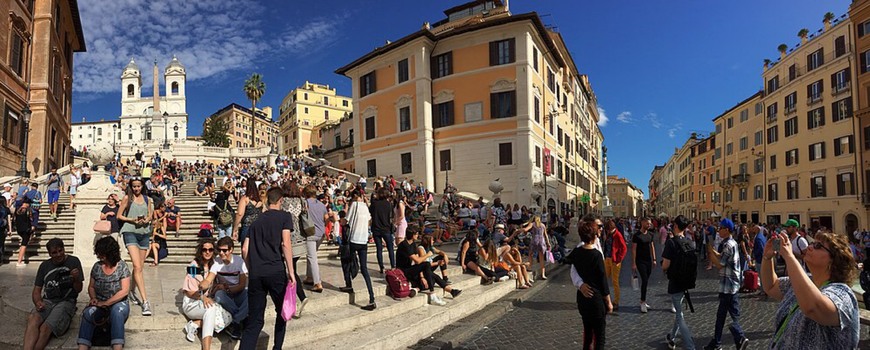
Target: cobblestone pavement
{"x": 550, "y": 320}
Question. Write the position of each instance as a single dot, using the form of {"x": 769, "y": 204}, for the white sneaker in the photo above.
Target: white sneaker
{"x": 673, "y": 310}
{"x": 300, "y": 307}
{"x": 21, "y": 265}
{"x": 647, "y": 306}
{"x": 643, "y": 308}
{"x": 503, "y": 278}
{"x": 190, "y": 330}
{"x": 435, "y": 300}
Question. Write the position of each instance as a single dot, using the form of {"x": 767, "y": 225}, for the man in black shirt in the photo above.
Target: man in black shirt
{"x": 269, "y": 249}
{"x": 382, "y": 226}
{"x": 57, "y": 285}
{"x": 673, "y": 254}
{"x": 413, "y": 260}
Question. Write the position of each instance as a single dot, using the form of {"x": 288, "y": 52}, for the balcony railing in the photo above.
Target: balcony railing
{"x": 771, "y": 118}
{"x": 790, "y": 109}
{"x": 740, "y": 179}
{"x": 813, "y": 99}
{"x": 840, "y": 88}
{"x": 865, "y": 199}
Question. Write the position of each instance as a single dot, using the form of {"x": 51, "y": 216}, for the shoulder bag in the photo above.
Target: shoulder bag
{"x": 306, "y": 225}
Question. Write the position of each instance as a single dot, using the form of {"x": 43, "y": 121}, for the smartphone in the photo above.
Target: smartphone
{"x": 776, "y": 245}
{"x": 193, "y": 271}
{"x": 141, "y": 217}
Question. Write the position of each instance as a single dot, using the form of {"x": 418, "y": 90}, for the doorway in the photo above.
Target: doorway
{"x": 851, "y": 224}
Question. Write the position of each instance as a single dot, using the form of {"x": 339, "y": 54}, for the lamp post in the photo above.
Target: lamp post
{"x": 165, "y": 130}
{"x": 25, "y": 114}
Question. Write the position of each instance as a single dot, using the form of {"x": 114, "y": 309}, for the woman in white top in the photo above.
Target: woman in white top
{"x": 75, "y": 178}
{"x": 357, "y": 236}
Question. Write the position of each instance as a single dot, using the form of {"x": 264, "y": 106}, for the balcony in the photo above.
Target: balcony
{"x": 771, "y": 118}
{"x": 725, "y": 183}
{"x": 813, "y": 99}
{"x": 740, "y": 179}
{"x": 865, "y": 199}
{"x": 840, "y": 88}
{"x": 789, "y": 109}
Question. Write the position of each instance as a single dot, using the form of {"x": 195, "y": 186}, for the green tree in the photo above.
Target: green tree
{"x": 254, "y": 89}
{"x": 215, "y": 132}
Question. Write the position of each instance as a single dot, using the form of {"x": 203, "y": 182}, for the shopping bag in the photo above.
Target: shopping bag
{"x": 550, "y": 259}
{"x": 289, "y": 307}
{"x": 635, "y": 284}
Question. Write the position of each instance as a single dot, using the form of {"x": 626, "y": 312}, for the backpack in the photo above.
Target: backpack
{"x": 865, "y": 280}
{"x": 205, "y": 230}
{"x": 684, "y": 267}
{"x": 225, "y": 217}
{"x": 398, "y": 286}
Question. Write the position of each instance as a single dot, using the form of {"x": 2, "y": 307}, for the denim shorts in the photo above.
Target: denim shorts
{"x": 142, "y": 240}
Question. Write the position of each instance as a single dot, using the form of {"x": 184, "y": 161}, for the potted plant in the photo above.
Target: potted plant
{"x": 827, "y": 20}
{"x": 803, "y": 35}
{"x": 766, "y": 63}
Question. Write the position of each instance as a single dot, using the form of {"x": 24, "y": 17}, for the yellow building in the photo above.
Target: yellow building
{"x": 480, "y": 96}
{"x": 810, "y": 142}
{"x": 684, "y": 179}
{"x": 337, "y": 143}
{"x": 304, "y": 111}
{"x": 703, "y": 171}
{"x": 625, "y": 198}
{"x": 37, "y": 42}
{"x": 739, "y": 171}
{"x": 239, "y": 119}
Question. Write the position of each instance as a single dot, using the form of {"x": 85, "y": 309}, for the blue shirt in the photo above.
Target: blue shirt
{"x": 758, "y": 247}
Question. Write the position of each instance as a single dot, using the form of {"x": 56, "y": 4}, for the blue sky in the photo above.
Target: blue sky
{"x": 660, "y": 69}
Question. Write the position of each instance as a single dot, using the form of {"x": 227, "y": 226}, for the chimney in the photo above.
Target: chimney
{"x": 156, "y": 90}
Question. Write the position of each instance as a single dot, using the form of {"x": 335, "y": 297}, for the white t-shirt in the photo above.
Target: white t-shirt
{"x": 358, "y": 219}
{"x": 799, "y": 245}
{"x": 229, "y": 273}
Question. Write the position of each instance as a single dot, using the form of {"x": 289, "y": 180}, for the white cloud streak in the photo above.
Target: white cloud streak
{"x": 210, "y": 37}
{"x": 653, "y": 120}
{"x": 625, "y": 117}
{"x": 602, "y": 117}
{"x": 672, "y": 132}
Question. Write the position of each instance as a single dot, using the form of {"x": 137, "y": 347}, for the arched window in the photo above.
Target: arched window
{"x": 130, "y": 90}
{"x": 175, "y": 88}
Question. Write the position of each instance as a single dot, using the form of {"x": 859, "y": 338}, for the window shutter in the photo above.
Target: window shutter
{"x": 837, "y": 150}
{"x": 823, "y": 151}
{"x": 821, "y": 87}
{"x": 513, "y": 49}
{"x": 493, "y": 106}
{"x": 493, "y": 53}
{"x": 810, "y": 90}
{"x": 809, "y": 62}
{"x": 513, "y": 97}
{"x": 374, "y": 84}
{"x": 449, "y": 59}
{"x": 450, "y": 113}
{"x": 821, "y": 116}
{"x": 851, "y": 144}
{"x": 821, "y": 57}
{"x": 834, "y": 81}
{"x": 809, "y": 121}
{"x": 433, "y": 67}
{"x": 812, "y": 153}
{"x": 863, "y": 57}
{"x": 841, "y": 188}
{"x": 861, "y": 30}
{"x": 848, "y": 74}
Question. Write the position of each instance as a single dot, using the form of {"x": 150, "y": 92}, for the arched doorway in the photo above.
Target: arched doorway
{"x": 851, "y": 224}
{"x": 551, "y": 205}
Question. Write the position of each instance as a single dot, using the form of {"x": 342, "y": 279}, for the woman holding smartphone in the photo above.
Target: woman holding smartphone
{"x": 136, "y": 214}
{"x": 197, "y": 304}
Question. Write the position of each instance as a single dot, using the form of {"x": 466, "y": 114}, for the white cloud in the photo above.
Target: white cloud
{"x": 602, "y": 117}
{"x": 625, "y": 117}
{"x": 210, "y": 37}
{"x": 653, "y": 120}
{"x": 672, "y": 132}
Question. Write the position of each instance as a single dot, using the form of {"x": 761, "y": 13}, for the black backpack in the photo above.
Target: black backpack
{"x": 683, "y": 270}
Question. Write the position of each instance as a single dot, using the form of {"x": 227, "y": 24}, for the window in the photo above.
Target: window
{"x": 744, "y": 143}
{"x": 743, "y": 168}
{"x": 759, "y": 107}
{"x": 326, "y": 115}
{"x": 502, "y": 52}
{"x": 337, "y": 140}
{"x": 814, "y": 92}
{"x": 840, "y": 80}
{"x": 758, "y": 193}
{"x": 130, "y": 137}
{"x": 535, "y": 58}
{"x": 11, "y": 128}
{"x": 815, "y": 59}
{"x": 791, "y": 127}
{"x": 406, "y": 163}
{"x": 175, "y": 88}
{"x": 344, "y": 103}
{"x": 370, "y": 128}
{"x": 442, "y": 115}
{"x": 305, "y": 95}
{"x": 742, "y": 194}
{"x": 773, "y": 162}
{"x": 772, "y": 84}
{"x": 537, "y": 109}
{"x": 744, "y": 115}
{"x": 371, "y": 168}
{"x": 403, "y": 70}
{"x": 367, "y": 85}
{"x": 792, "y": 72}
{"x": 791, "y": 189}
{"x": 730, "y": 122}
{"x": 865, "y": 61}
{"x": 718, "y": 128}
{"x": 729, "y": 148}
{"x": 791, "y": 157}
{"x": 130, "y": 90}
{"x": 306, "y": 112}
{"x": 841, "y": 109}
{"x": 815, "y": 118}
{"x": 759, "y": 137}
{"x": 817, "y": 151}
{"x": 442, "y": 65}
{"x": 771, "y": 111}
{"x": 537, "y": 157}
{"x": 791, "y": 102}
{"x": 551, "y": 80}
{"x": 326, "y": 100}
{"x": 839, "y": 46}
{"x": 16, "y": 54}
{"x": 56, "y": 79}
{"x": 759, "y": 165}
{"x": 404, "y": 119}
{"x": 863, "y": 29}
{"x": 503, "y": 104}
{"x": 772, "y": 194}
{"x": 843, "y": 145}
{"x": 845, "y": 184}
{"x": 817, "y": 186}
{"x": 505, "y": 154}
{"x": 867, "y": 138}
{"x": 444, "y": 160}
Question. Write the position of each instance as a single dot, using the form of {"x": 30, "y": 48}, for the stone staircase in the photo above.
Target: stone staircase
{"x": 47, "y": 229}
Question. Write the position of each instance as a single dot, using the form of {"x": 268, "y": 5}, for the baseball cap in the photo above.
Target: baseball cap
{"x": 7, "y": 185}
{"x": 792, "y": 223}
{"x": 726, "y": 223}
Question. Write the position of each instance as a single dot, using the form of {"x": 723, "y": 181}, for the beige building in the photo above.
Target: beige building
{"x": 684, "y": 179}
{"x": 37, "y": 42}
{"x": 625, "y": 198}
{"x": 305, "y": 111}
{"x": 337, "y": 143}
{"x": 859, "y": 11}
{"x": 654, "y": 203}
{"x": 739, "y": 174}
{"x": 810, "y": 133}
{"x": 478, "y": 96}
{"x": 239, "y": 119}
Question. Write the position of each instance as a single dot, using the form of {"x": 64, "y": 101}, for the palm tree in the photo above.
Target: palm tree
{"x": 254, "y": 89}
{"x": 782, "y": 48}
{"x": 828, "y": 17}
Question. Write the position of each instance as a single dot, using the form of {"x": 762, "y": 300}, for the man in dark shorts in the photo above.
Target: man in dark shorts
{"x": 57, "y": 285}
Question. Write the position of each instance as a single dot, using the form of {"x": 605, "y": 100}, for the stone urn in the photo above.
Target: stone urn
{"x": 495, "y": 187}
{"x": 99, "y": 155}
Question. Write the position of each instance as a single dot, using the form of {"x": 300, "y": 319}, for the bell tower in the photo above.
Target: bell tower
{"x": 131, "y": 82}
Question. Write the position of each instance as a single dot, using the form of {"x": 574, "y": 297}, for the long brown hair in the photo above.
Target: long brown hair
{"x": 843, "y": 266}
{"x": 200, "y": 260}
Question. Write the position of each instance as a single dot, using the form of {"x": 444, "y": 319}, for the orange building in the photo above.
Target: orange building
{"x": 480, "y": 96}
{"x": 37, "y": 45}
{"x": 703, "y": 171}
{"x": 859, "y": 12}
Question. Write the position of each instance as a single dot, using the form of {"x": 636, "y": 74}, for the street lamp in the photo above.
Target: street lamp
{"x": 165, "y": 130}
{"x": 114, "y": 135}
{"x": 25, "y": 114}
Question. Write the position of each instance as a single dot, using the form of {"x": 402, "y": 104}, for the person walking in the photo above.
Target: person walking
{"x": 614, "y": 251}
{"x": 136, "y": 214}
{"x": 382, "y": 233}
{"x": 293, "y": 203}
{"x": 587, "y": 261}
{"x": 357, "y": 236}
{"x": 643, "y": 250}
{"x": 318, "y": 214}
{"x": 269, "y": 248}
{"x": 680, "y": 265}
{"x": 727, "y": 259}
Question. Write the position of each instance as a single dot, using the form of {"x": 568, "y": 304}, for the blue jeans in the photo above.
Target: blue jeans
{"x": 680, "y": 323}
{"x": 728, "y": 304}
{"x": 236, "y": 305}
{"x": 117, "y": 315}
{"x": 243, "y": 234}
{"x": 361, "y": 251}
{"x": 224, "y": 231}
{"x": 379, "y": 247}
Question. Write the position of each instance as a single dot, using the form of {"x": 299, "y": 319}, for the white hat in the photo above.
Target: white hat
{"x": 499, "y": 226}
{"x": 7, "y": 185}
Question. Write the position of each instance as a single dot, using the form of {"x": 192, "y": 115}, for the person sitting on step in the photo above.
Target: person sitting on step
{"x": 411, "y": 259}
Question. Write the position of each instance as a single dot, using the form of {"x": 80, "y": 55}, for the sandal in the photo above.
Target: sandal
{"x": 525, "y": 286}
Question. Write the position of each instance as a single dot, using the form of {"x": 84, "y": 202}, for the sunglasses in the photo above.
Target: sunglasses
{"x": 208, "y": 250}
{"x": 224, "y": 250}
{"x": 819, "y": 245}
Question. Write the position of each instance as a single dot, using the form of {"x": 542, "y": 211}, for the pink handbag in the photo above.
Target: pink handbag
{"x": 103, "y": 227}
{"x": 288, "y": 310}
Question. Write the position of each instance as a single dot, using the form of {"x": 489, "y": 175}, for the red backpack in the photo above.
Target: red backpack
{"x": 397, "y": 285}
